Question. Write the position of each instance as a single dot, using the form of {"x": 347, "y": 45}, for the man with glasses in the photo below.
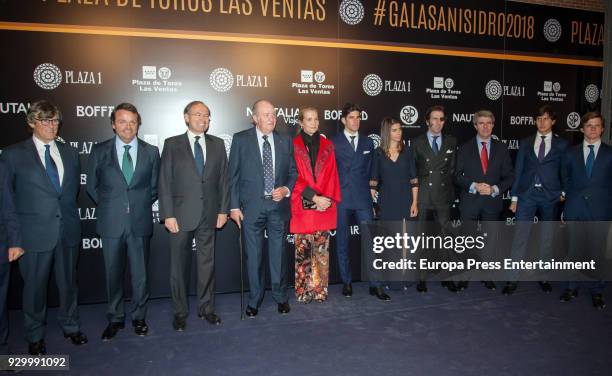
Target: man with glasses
{"x": 45, "y": 175}
{"x": 122, "y": 177}
{"x": 193, "y": 202}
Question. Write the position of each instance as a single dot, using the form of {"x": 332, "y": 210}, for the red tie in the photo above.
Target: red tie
{"x": 484, "y": 158}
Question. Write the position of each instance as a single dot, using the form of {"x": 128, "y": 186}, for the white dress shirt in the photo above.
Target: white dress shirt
{"x": 55, "y": 155}
{"x": 586, "y": 149}
{"x": 191, "y": 136}
{"x": 538, "y": 141}
{"x": 348, "y": 136}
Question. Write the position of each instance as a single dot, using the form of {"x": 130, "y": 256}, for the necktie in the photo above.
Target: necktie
{"x": 434, "y": 145}
{"x": 268, "y": 167}
{"x": 198, "y": 155}
{"x": 353, "y": 143}
{"x": 484, "y": 158}
{"x": 127, "y": 165}
{"x": 542, "y": 150}
{"x": 590, "y": 160}
{"x": 51, "y": 169}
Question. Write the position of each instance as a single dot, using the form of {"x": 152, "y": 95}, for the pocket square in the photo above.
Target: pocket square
{"x": 366, "y": 152}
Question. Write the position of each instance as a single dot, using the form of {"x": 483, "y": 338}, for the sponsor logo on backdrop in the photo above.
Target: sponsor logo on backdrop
{"x": 87, "y": 214}
{"x": 573, "y": 120}
{"x": 313, "y": 82}
{"x": 512, "y": 144}
{"x": 91, "y": 243}
{"x": 93, "y": 111}
{"x": 375, "y": 139}
{"x": 227, "y": 141}
{"x": 49, "y": 76}
{"x": 409, "y": 116}
{"x": 337, "y": 114}
{"x": 552, "y": 30}
{"x": 551, "y": 92}
{"x": 373, "y": 85}
{"x": 156, "y": 80}
{"x": 351, "y": 12}
{"x": 494, "y": 90}
{"x": 84, "y": 147}
{"x": 222, "y": 80}
{"x": 591, "y": 93}
{"x": 443, "y": 88}
{"x": 521, "y": 120}
{"x": 287, "y": 114}
{"x": 589, "y": 33}
{"x": 14, "y": 107}
{"x": 463, "y": 118}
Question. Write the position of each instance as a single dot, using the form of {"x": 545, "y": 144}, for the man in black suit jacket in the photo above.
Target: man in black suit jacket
{"x": 122, "y": 181}
{"x": 10, "y": 250}
{"x": 484, "y": 172}
{"x": 262, "y": 174}
{"x": 193, "y": 202}
{"x": 45, "y": 176}
{"x": 434, "y": 154}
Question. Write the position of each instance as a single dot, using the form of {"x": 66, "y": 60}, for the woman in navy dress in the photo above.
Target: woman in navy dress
{"x": 394, "y": 174}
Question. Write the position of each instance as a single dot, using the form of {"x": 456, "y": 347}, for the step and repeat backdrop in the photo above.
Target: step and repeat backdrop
{"x": 394, "y": 58}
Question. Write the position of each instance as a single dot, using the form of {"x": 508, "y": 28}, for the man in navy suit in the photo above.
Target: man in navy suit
{"x": 484, "y": 172}
{"x": 538, "y": 187}
{"x": 122, "y": 181}
{"x": 10, "y": 250}
{"x": 354, "y": 160}
{"x": 45, "y": 176}
{"x": 262, "y": 174}
{"x": 588, "y": 196}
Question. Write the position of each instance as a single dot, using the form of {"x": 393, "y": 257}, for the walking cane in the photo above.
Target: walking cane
{"x": 241, "y": 274}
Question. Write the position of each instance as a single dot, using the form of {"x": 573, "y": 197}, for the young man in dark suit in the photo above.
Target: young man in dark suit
{"x": 193, "y": 203}
{"x": 122, "y": 180}
{"x": 262, "y": 174}
{"x": 45, "y": 175}
{"x": 354, "y": 152}
{"x": 484, "y": 172}
{"x": 588, "y": 194}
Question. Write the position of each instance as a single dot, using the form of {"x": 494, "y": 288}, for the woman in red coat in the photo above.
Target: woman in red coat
{"x": 313, "y": 207}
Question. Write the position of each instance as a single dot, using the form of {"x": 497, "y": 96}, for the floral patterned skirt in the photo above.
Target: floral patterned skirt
{"x": 311, "y": 266}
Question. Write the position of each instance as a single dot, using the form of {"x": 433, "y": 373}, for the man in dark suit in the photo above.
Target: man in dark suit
{"x": 434, "y": 154}
{"x": 262, "y": 174}
{"x": 484, "y": 172}
{"x": 122, "y": 180}
{"x": 354, "y": 153}
{"x": 45, "y": 176}
{"x": 538, "y": 188}
{"x": 193, "y": 202}
{"x": 588, "y": 191}
{"x": 10, "y": 250}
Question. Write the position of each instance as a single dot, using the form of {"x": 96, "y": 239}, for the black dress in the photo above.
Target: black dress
{"x": 395, "y": 192}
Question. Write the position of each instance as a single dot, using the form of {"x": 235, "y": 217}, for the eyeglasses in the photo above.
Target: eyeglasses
{"x": 48, "y": 122}
{"x": 199, "y": 114}
{"x": 124, "y": 123}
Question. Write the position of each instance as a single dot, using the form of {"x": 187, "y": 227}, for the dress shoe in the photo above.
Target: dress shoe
{"x": 379, "y": 293}
{"x": 140, "y": 327}
{"x": 462, "y": 285}
{"x": 598, "y": 301}
{"x": 251, "y": 312}
{"x": 37, "y": 348}
{"x": 421, "y": 287}
{"x": 347, "y": 290}
{"x": 283, "y": 308}
{"x": 212, "y": 318}
{"x": 509, "y": 288}
{"x": 179, "y": 323}
{"x": 545, "y": 286}
{"x": 111, "y": 330}
{"x": 450, "y": 286}
{"x": 489, "y": 284}
{"x": 568, "y": 294}
{"x": 77, "y": 338}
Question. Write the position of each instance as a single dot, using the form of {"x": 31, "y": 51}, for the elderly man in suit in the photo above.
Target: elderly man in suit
{"x": 483, "y": 172}
{"x": 10, "y": 250}
{"x": 45, "y": 176}
{"x": 354, "y": 153}
{"x": 588, "y": 191}
{"x": 193, "y": 202}
{"x": 262, "y": 174}
{"x": 538, "y": 187}
{"x": 122, "y": 181}
{"x": 434, "y": 153}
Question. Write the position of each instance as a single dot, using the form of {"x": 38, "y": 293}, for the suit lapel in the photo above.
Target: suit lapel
{"x": 255, "y": 151}
{"x": 207, "y": 156}
{"x": 31, "y": 147}
{"x": 278, "y": 144}
{"x": 186, "y": 148}
{"x": 112, "y": 150}
{"x": 140, "y": 153}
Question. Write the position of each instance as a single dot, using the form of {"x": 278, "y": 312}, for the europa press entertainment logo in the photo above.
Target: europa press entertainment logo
{"x": 48, "y": 76}
{"x": 493, "y": 90}
{"x": 552, "y": 30}
{"x": 351, "y": 12}
{"x": 221, "y": 79}
{"x": 372, "y": 84}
